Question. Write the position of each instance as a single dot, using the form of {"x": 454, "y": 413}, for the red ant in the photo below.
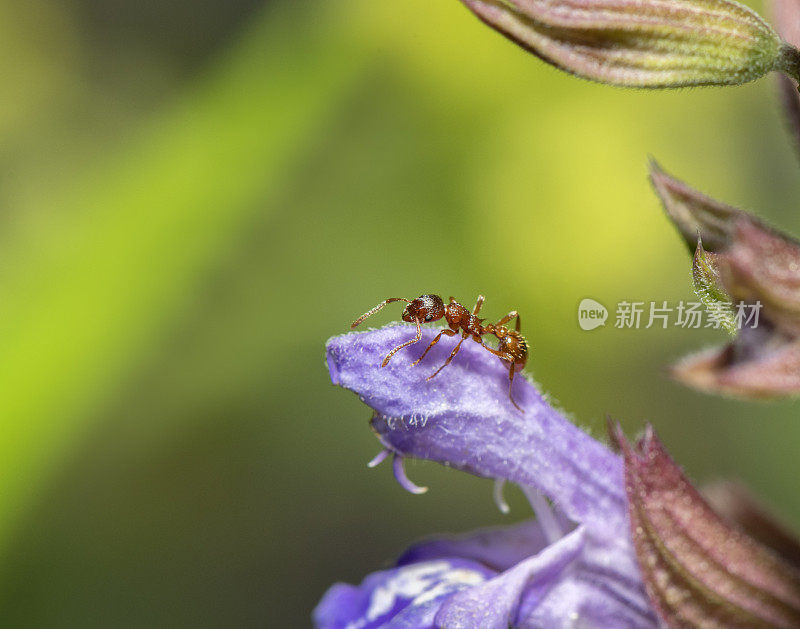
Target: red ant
{"x": 512, "y": 347}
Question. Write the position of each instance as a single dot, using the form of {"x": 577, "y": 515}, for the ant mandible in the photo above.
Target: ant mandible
{"x": 512, "y": 348}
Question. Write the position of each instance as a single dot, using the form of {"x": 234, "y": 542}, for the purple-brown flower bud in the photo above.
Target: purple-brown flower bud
{"x": 755, "y": 266}
{"x": 787, "y": 21}
{"x": 699, "y": 569}
{"x": 635, "y": 43}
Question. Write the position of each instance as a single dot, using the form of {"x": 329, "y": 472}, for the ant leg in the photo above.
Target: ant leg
{"x": 510, "y": 382}
{"x": 449, "y": 358}
{"x": 496, "y": 352}
{"x": 434, "y": 342}
{"x": 416, "y": 339}
{"x": 376, "y": 308}
{"x": 478, "y": 305}
{"x": 510, "y": 359}
{"x": 511, "y": 315}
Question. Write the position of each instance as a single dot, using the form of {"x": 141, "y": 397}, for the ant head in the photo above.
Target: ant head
{"x": 426, "y": 308}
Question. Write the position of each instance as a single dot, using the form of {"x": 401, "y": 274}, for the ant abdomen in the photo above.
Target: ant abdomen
{"x": 515, "y": 345}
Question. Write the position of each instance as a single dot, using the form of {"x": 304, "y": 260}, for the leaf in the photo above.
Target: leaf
{"x": 705, "y": 277}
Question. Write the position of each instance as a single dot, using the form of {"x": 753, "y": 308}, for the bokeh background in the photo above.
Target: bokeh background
{"x": 195, "y": 195}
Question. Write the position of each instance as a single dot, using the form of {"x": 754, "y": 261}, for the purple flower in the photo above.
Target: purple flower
{"x": 575, "y": 565}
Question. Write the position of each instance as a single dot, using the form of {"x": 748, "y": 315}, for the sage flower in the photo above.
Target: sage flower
{"x": 644, "y": 43}
{"x": 627, "y": 542}
{"x": 751, "y": 264}
{"x": 574, "y": 566}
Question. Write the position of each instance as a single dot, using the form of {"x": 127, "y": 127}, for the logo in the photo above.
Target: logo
{"x": 591, "y": 314}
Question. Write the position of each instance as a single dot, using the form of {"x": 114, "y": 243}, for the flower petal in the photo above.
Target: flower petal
{"x": 499, "y": 547}
{"x": 601, "y": 588}
{"x": 586, "y": 599}
{"x": 464, "y": 418}
{"x": 700, "y": 570}
{"x": 666, "y": 43}
{"x": 493, "y": 604}
{"x": 408, "y": 596}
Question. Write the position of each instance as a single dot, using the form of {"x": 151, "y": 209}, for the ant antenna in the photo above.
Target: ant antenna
{"x": 378, "y": 307}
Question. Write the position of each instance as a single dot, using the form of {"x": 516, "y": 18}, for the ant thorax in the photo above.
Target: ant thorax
{"x": 458, "y": 317}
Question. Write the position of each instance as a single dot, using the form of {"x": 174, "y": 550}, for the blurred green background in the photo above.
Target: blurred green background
{"x": 195, "y": 195}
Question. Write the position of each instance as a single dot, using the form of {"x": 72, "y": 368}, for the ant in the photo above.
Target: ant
{"x": 512, "y": 347}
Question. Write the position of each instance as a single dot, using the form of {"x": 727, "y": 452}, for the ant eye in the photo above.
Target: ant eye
{"x": 428, "y": 318}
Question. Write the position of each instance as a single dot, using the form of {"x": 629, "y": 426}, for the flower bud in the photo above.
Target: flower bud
{"x": 757, "y": 268}
{"x": 700, "y": 570}
{"x": 635, "y": 43}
